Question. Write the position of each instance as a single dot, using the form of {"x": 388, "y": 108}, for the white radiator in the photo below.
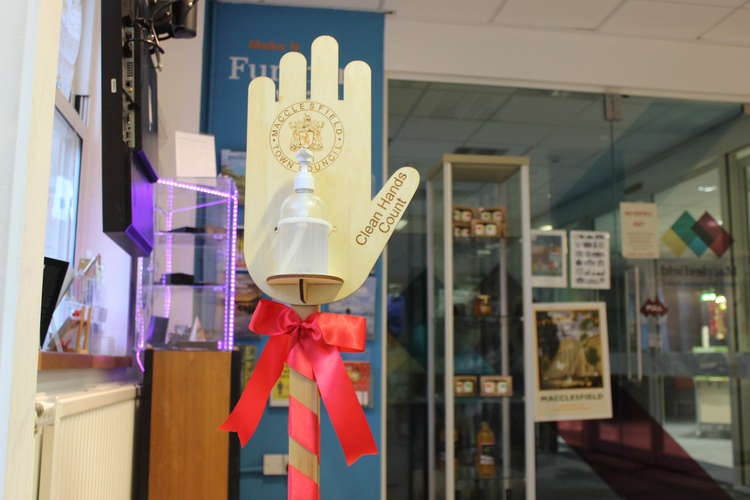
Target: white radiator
{"x": 85, "y": 443}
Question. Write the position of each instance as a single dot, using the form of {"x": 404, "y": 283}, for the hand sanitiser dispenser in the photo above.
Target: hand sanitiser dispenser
{"x": 302, "y": 229}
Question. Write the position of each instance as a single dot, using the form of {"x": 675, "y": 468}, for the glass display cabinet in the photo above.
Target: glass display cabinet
{"x": 185, "y": 292}
{"x": 479, "y": 287}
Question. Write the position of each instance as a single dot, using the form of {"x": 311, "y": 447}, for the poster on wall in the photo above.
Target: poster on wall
{"x": 589, "y": 260}
{"x": 232, "y": 164}
{"x": 571, "y": 362}
{"x": 639, "y": 230}
{"x": 280, "y": 392}
{"x": 360, "y": 303}
{"x": 549, "y": 263}
{"x": 359, "y": 374}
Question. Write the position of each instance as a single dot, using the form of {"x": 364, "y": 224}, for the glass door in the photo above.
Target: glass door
{"x": 676, "y": 322}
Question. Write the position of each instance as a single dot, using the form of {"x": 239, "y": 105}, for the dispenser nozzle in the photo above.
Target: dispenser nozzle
{"x": 304, "y": 179}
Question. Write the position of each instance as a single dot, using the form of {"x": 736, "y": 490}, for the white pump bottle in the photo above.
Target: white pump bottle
{"x": 302, "y": 230}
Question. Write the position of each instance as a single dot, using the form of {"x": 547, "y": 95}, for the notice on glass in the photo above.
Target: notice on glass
{"x": 639, "y": 227}
{"x": 549, "y": 259}
{"x": 571, "y": 362}
{"x": 589, "y": 260}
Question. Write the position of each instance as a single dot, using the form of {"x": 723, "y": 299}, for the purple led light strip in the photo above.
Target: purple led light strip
{"x": 232, "y": 276}
{"x": 193, "y": 187}
{"x": 168, "y": 258}
{"x": 140, "y": 322}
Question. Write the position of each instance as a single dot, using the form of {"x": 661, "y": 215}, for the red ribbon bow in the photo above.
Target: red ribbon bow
{"x": 313, "y": 348}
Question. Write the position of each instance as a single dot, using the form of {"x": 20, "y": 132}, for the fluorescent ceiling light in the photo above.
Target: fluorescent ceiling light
{"x": 401, "y": 224}
{"x": 545, "y": 227}
{"x": 706, "y": 189}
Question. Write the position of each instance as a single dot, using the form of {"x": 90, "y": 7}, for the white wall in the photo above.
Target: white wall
{"x": 565, "y": 60}
{"x": 90, "y": 240}
{"x": 28, "y": 49}
{"x": 501, "y": 56}
{"x": 179, "y": 92}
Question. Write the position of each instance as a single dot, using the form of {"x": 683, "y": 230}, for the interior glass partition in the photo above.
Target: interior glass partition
{"x": 680, "y": 380}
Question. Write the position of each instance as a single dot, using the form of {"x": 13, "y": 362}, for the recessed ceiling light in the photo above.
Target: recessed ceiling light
{"x": 706, "y": 188}
{"x": 545, "y": 227}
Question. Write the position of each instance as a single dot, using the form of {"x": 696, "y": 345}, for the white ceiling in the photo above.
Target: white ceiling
{"x": 720, "y": 22}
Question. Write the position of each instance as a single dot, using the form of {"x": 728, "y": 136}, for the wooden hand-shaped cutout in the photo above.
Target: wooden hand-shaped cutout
{"x": 338, "y": 133}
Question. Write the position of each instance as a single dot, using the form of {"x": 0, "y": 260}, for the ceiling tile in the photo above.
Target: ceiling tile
{"x": 733, "y": 29}
{"x": 541, "y": 109}
{"x": 407, "y": 84}
{"x": 459, "y": 105}
{"x": 580, "y": 14}
{"x": 445, "y": 11}
{"x": 394, "y": 124}
{"x": 632, "y": 112}
{"x": 411, "y": 150}
{"x": 402, "y": 100}
{"x": 663, "y": 20}
{"x": 333, "y": 4}
{"x": 467, "y": 87}
{"x": 577, "y": 154}
{"x": 430, "y": 128}
{"x": 591, "y": 138}
{"x": 499, "y": 134}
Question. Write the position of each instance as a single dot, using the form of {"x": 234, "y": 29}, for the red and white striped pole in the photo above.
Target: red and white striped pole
{"x": 304, "y": 424}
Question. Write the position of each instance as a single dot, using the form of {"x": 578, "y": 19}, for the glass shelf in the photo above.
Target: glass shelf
{"x": 213, "y": 286}
{"x": 195, "y": 222}
{"x": 468, "y": 274}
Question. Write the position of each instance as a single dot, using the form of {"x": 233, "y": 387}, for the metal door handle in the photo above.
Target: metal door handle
{"x": 638, "y": 332}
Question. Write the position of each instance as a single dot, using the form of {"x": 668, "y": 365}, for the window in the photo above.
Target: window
{"x": 62, "y": 204}
{"x": 69, "y": 131}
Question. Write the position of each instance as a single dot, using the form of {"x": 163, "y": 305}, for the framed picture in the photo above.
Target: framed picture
{"x": 549, "y": 259}
{"x": 571, "y": 362}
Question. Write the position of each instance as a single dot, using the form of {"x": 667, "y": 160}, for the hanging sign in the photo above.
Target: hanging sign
{"x": 571, "y": 362}
{"x": 589, "y": 259}
{"x": 639, "y": 225}
{"x": 654, "y": 308}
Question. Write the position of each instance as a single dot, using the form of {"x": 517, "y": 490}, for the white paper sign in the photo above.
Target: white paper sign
{"x": 549, "y": 259}
{"x": 589, "y": 260}
{"x": 195, "y": 155}
{"x": 639, "y": 225}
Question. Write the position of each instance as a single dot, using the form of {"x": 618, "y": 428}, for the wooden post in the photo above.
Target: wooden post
{"x": 303, "y": 388}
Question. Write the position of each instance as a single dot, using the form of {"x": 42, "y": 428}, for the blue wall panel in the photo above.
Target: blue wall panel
{"x": 244, "y": 41}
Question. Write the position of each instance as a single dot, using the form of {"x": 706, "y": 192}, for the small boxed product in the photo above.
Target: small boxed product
{"x": 492, "y": 214}
{"x": 495, "y": 386}
{"x": 494, "y": 219}
{"x": 483, "y": 229}
{"x": 465, "y": 385}
{"x": 491, "y": 222}
{"x": 462, "y": 213}
{"x": 461, "y": 229}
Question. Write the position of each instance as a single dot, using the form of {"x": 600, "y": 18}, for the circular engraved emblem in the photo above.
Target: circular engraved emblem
{"x": 310, "y": 125}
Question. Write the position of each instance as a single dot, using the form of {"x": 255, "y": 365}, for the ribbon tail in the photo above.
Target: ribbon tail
{"x": 247, "y": 412}
{"x": 338, "y": 395}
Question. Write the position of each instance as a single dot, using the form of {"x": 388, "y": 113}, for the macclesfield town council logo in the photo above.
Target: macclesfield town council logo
{"x": 310, "y": 125}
